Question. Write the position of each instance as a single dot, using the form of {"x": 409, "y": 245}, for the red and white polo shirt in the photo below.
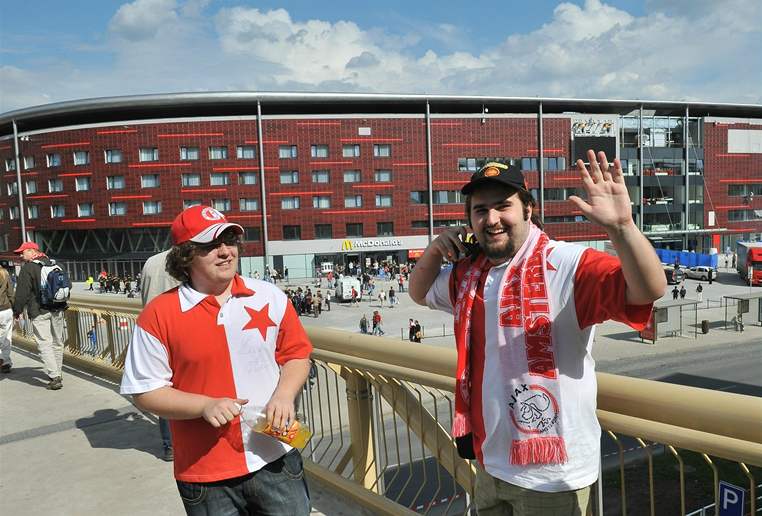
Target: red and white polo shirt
{"x": 184, "y": 339}
{"x": 585, "y": 287}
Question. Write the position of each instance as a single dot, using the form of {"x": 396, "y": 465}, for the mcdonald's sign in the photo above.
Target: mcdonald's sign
{"x": 346, "y": 245}
{"x": 353, "y": 245}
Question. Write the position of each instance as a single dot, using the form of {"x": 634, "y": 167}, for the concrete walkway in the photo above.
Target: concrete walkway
{"x": 86, "y": 450}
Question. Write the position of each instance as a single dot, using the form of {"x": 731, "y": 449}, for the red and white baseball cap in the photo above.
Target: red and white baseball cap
{"x": 27, "y": 245}
{"x": 200, "y": 224}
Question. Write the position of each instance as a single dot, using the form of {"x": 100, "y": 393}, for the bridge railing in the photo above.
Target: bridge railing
{"x": 381, "y": 412}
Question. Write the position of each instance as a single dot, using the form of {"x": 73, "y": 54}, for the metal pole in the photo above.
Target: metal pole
{"x": 687, "y": 180}
{"x": 18, "y": 182}
{"x": 429, "y": 172}
{"x": 540, "y": 164}
{"x": 261, "y": 147}
{"x": 640, "y": 168}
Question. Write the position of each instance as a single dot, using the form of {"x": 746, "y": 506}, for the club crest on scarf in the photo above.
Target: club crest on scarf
{"x": 534, "y": 410}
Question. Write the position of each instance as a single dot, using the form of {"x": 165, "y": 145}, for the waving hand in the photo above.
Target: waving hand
{"x": 608, "y": 202}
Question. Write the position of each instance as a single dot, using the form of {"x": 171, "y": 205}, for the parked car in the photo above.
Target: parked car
{"x": 700, "y": 273}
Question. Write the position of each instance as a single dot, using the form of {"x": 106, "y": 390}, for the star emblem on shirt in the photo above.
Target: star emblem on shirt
{"x": 260, "y": 320}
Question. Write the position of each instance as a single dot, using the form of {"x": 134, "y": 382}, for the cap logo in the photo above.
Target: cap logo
{"x": 211, "y": 214}
{"x": 491, "y": 172}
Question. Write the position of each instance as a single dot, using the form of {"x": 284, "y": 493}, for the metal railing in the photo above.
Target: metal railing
{"x": 381, "y": 421}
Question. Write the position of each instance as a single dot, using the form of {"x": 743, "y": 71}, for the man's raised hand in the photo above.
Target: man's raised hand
{"x": 608, "y": 202}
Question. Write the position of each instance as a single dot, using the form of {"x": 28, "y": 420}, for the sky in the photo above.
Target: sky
{"x": 694, "y": 50}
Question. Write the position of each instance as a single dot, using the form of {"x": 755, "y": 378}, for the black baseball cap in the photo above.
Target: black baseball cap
{"x": 498, "y": 173}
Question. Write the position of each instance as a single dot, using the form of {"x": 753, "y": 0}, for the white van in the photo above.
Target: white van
{"x": 344, "y": 290}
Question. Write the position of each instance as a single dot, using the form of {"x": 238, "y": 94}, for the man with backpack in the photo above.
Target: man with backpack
{"x": 43, "y": 289}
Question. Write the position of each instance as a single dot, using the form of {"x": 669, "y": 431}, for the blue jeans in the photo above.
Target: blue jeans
{"x": 166, "y": 433}
{"x": 278, "y": 489}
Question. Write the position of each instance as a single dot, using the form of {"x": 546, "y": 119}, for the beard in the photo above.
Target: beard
{"x": 500, "y": 250}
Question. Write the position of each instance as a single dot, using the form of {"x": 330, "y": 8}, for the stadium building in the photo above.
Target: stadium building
{"x": 357, "y": 177}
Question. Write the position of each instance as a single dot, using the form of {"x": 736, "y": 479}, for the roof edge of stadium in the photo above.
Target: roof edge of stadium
{"x": 244, "y": 102}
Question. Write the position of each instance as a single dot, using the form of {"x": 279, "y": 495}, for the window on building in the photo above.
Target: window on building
{"x": 13, "y": 212}
{"x": 57, "y": 211}
{"x": 31, "y": 187}
{"x": 219, "y": 179}
{"x": 222, "y": 205}
{"x": 354, "y": 229}
{"x": 350, "y": 151}
{"x": 81, "y": 158}
{"x": 351, "y": 176}
{"x": 292, "y": 232}
{"x": 385, "y": 228}
{"x": 323, "y": 231}
{"x": 252, "y": 234}
{"x": 287, "y": 151}
{"x": 353, "y": 201}
{"x": 10, "y": 164}
{"x": 82, "y": 183}
{"x": 289, "y": 177}
{"x": 247, "y": 178}
{"x": 446, "y": 223}
{"x": 151, "y": 207}
{"x": 383, "y": 200}
{"x": 189, "y": 153}
{"x": 382, "y": 176}
{"x": 13, "y": 188}
{"x": 552, "y": 164}
{"x": 246, "y": 152}
{"x": 187, "y": 203}
{"x": 190, "y": 179}
{"x": 321, "y": 176}
{"x": 28, "y": 162}
{"x": 148, "y": 154}
{"x": 115, "y": 183}
{"x": 467, "y": 165}
{"x": 112, "y": 156}
{"x": 321, "y": 201}
{"x": 55, "y": 185}
{"x": 249, "y": 204}
{"x": 528, "y": 163}
{"x": 448, "y": 197}
{"x": 85, "y": 209}
{"x": 53, "y": 159}
{"x": 419, "y": 197}
{"x": 420, "y": 224}
{"x": 382, "y": 150}
{"x": 117, "y": 209}
{"x": 33, "y": 211}
{"x": 217, "y": 152}
{"x": 150, "y": 181}
{"x": 289, "y": 203}
{"x": 319, "y": 151}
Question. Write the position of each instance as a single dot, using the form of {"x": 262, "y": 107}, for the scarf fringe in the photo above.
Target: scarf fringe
{"x": 539, "y": 450}
{"x": 461, "y": 425}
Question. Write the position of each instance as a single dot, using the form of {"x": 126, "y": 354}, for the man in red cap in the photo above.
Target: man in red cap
{"x": 47, "y": 318}
{"x": 203, "y": 350}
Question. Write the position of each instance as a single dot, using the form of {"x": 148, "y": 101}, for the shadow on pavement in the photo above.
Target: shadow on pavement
{"x": 110, "y": 428}
{"x": 30, "y": 375}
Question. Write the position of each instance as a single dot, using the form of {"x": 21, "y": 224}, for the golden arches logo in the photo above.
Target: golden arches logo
{"x": 346, "y": 245}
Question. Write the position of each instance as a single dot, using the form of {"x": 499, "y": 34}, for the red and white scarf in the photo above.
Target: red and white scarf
{"x": 524, "y": 319}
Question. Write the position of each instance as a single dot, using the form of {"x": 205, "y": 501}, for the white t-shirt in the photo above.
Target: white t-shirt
{"x": 585, "y": 287}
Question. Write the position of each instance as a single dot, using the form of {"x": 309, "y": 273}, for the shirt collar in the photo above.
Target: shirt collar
{"x": 189, "y": 297}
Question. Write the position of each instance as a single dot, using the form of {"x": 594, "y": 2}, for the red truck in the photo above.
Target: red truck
{"x": 749, "y": 261}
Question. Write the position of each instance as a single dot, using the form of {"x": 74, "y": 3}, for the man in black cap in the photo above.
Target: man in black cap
{"x": 525, "y": 308}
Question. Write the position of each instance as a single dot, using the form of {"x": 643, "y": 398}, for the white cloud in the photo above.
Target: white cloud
{"x": 593, "y": 50}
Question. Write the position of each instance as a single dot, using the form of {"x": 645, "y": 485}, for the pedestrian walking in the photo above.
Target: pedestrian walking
{"x": 683, "y": 291}
{"x": 699, "y": 293}
{"x": 675, "y": 292}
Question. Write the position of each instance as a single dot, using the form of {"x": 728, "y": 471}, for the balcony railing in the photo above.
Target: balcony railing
{"x": 381, "y": 418}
